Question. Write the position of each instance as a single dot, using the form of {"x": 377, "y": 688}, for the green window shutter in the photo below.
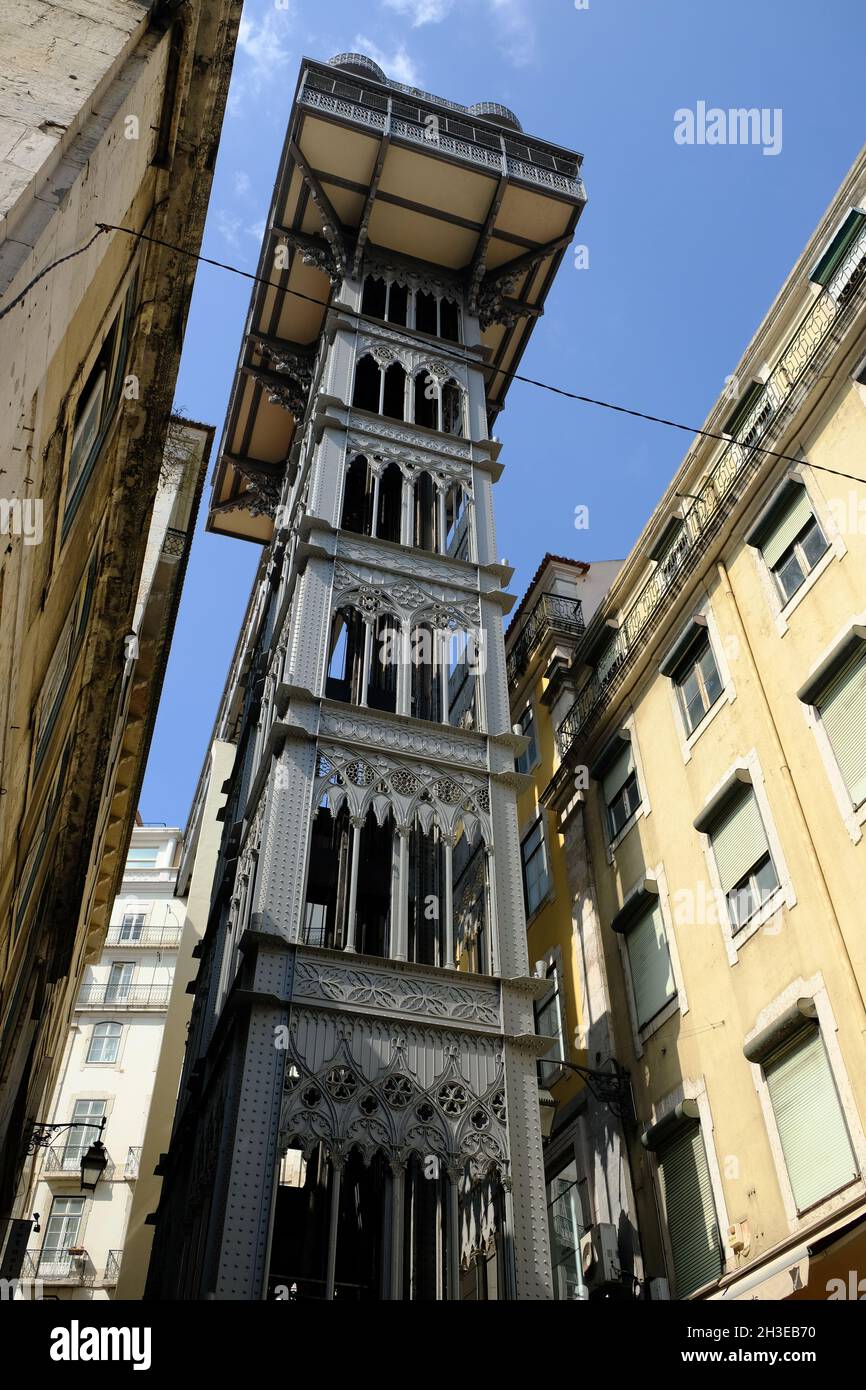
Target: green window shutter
{"x": 787, "y": 526}
{"x": 649, "y": 959}
{"x": 839, "y": 248}
{"x": 617, "y": 773}
{"x": 690, "y": 1212}
{"x": 815, "y": 1142}
{"x": 843, "y": 714}
{"x": 738, "y": 840}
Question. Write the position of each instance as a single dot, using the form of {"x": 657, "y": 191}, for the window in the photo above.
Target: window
{"x": 565, "y": 1225}
{"x": 812, "y": 1130}
{"x": 790, "y": 539}
{"x": 130, "y": 927}
{"x": 549, "y": 1024}
{"x": 80, "y": 1138}
{"x": 746, "y": 870}
{"x": 649, "y": 963}
{"x": 526, "y": 726}
{"x": 842, "y": 711}
{"x": 620, "y": 788}
{"x": 841, "y": 254}
{"x": 104, "y": 1042}
{"x": 142, "y": 856}
{"x": 747, "y": 421}
{"x": 690, "y": 1213}
{"x": 61, "y": 1235}
{"x": 56, "y": 678}
{"x": 536, "y": 875}
{"x": 697, "y": 681}
{"x": 119, "y": 982}
{"x": 96, "y": 405}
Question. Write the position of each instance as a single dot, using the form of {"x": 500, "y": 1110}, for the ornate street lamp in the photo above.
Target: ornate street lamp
{"x": 93, "y": 1163}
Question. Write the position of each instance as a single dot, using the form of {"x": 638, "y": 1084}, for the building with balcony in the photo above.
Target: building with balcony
{"x": 109, "y": 115}
{"x": 710, "y": 791}
{"x": 108, "y": 1074}
{"x": 358, "y": 1116}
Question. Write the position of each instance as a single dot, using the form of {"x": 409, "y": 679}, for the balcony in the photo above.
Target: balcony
{"x": 133, "y": 1160}
{"x": 551, "y": 615}
{"x": 64, "y": 1161}
{"x": 112, "y": 1267}
{"x": 166, "y": 938}
{"x": 410, "y": 115}
{"x": 123, "y": 997}
{"x": 797, "y": 368}
{"x": 58, "y": 1267}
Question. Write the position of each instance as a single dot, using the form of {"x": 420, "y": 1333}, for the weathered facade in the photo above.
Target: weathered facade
{"x": 109, "y": 114}
{"x": 711, "y": 791}
{"x": 359, "y": 1112}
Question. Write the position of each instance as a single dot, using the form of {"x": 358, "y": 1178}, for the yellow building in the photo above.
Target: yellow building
{"x": 117, "y": 114}
{"x": 713, "y": 774}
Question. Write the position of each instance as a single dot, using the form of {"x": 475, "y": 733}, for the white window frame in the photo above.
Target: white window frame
{"x": 529, "y": 707}
{"x": 688, "y": 740}
{"x": 781, "y": 608}
{"x": 538, "y": 817}
{"x": 105, "y": 1022}
{"x": 679, "y": 1003}
{"x": 814, "y": 989}
{"x": 644, "y": 807}
{"x": 748, "y": 770}
{"x": 853, "y": 818}
{"x": 553, "y": 962}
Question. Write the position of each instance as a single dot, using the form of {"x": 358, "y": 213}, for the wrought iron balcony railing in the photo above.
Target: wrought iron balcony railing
{"x": 112, "y": 1266}
{"x": 58, "y": 1267}
{"x": 552, "y": 613}
{"x": 133, "y": 1159}
{"x": 797, "y": 367}
{"x": 65, "y": 1160}
{"x": 165, "y": 937}
{"x": 123, "y": 997}
{"x": 408, "y": 117}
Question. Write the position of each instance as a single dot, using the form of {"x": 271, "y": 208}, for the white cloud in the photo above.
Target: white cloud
{"x": 397, "y": 64}
{"x": 421, "y": 11}
{"x": 242, "y": 184}
{"x": 264, "y": 51}
{"x": 233, "y": 229}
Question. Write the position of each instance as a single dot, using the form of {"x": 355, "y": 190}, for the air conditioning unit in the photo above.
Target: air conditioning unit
{"x": 599, "y": 1254}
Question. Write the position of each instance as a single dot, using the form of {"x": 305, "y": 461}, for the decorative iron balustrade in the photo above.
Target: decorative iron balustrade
{"x": 65, "y": 1160}
{"x": 551, "y": 613}
{"x": 112, "y": 1266}
{"x": 133, "y": 1160}
{"x": 144, "y": 936}
{"x": 123, "y": 997}
{"x": 511, "y": 153}
{"x": 740, "y": 460}
{"x": 58, "y": 1267}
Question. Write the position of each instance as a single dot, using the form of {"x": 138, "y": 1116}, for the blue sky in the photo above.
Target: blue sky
{"x": 688, "y": 245}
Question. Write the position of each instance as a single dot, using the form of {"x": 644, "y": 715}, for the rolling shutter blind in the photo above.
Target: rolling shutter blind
{"x": 690, "y": 1211}
{"x": 618, "y": 773}
{"x": 815, "y": 1142}
{"x": 843, "y": 714}
{"x": 787, "y": 525}
{"x": 652, "y": 976}
{"x": 739, "y": 840}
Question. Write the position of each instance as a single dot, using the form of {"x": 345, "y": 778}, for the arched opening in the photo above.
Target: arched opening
{"x": 346, "y": 657}
{"x": 375, "y": 297}
{"x": 368, "y": 384}
{"x": 426, "y": 896}
{"x": 449, "y": 321}
{"x": 457, "y": 522}
{"x": 426, "y": 316}
{"x": 426, "y": 678}
{"x": 425, "y": 1231}
{"x": 398, "y": 303}
{"x": 390, "y": 504}
{"x": 384, "y": 662}
{"x": 376, "y": 870}
{"x": 426, "y": 408}
{"x": 394, "y": 394}
{"x": 452, "y": 409}
{"x": 426, "y": 517}
{"x": 358, "y": 497}
{"x": 328, "y": 879}
{"x": 462, "y": 663}
{"x": 471, "y": 926}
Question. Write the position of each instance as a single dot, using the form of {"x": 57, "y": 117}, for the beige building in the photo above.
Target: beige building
{"x": 713, "y": 775}
{"x": 108, "y": 1075}
{"x": 108, "y": 115}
